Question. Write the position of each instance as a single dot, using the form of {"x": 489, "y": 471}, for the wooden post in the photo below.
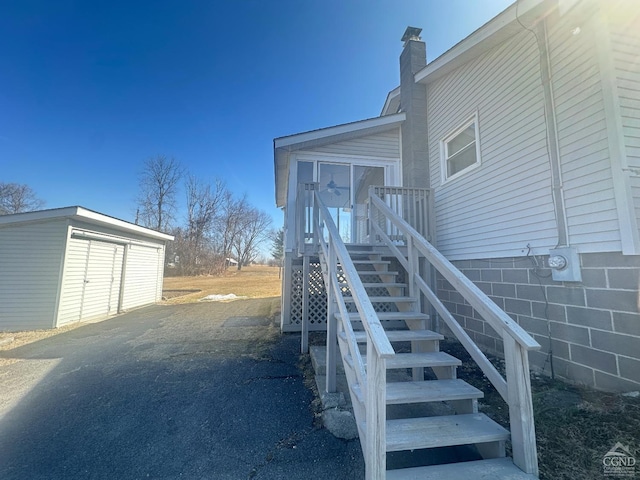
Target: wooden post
{"x": 304, "y": 342}
{"x": 332, "y": 332}
{"x": 376, "y": 414}
{"x": 523, "y": 434}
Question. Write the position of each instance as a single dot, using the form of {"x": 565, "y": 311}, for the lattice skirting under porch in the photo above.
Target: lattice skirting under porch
{"x": 293, "y": 288}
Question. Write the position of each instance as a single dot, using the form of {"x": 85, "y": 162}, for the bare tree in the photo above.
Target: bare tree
{"x": 18, "y": 198}
{"x": 253, "y": 229}
{"x": 228, "y": 223}
{"x": 158, "y": 182}
{"x": 203, "y": 207}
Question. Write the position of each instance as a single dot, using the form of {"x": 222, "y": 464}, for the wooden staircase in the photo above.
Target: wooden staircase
{"x": 399, "y": 380}
{"x": 406, "y": 326}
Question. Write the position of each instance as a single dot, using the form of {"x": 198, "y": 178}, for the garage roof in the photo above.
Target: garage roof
{"x": 85, "y": 215}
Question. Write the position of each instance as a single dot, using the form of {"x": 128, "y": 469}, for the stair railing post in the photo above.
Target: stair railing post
{"x": 376, "y": 415}
{"x": 304, "y": 342}
{"x": 523, "y": 434}
{"x": 332, "y": 322}
{"x": 316, "y": 220}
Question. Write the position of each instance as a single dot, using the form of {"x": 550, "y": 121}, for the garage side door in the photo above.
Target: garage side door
{"x": 102, "y": 282}
{"x": 141, "y": 277}
{"x": 91, "y": 285}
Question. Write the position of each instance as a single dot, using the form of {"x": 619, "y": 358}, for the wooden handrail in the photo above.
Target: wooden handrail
{"x": 516, "y": 390}
{"x": 498, "y": 319}
{"x": 368, "y": 315}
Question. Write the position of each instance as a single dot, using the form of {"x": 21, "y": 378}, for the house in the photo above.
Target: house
{"x": 72, "y": 264}
{"x": 525, "y": 139}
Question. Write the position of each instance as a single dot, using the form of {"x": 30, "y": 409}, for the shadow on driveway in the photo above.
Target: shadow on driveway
{"x": 197, "y": 391}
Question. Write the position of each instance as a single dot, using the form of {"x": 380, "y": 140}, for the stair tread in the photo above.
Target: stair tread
{"x": 391, "y": 316}
{"x": 402, "y": 335}
{"x": 428, "y": 359}
{"x": 381, "y": 284}
{"x": 491, "y": 469}
{"x": 371, "y": 262}
{"x": 431, "y": 391}
{"x": 442, "y": 431}
{"x": 378, "y": 272}
{"x": 416, "y": 360}
{"x": 428, "y": 391}
{"x": 385, "y": 299}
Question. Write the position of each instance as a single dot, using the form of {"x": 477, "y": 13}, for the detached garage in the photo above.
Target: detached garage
{"x": 72, "y": 264}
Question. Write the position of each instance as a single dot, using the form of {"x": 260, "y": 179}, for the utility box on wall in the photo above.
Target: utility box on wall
{"x": 564, "y": 263}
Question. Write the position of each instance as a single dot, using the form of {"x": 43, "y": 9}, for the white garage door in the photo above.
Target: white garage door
{"x": 93, "y": 275}
{"x": 143, "y": 280}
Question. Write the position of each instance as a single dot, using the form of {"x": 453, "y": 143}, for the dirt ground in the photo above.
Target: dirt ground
{"x": 575, "y": 426}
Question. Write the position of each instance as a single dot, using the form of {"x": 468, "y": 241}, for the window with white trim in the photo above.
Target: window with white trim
{"x": 460, "y": 150}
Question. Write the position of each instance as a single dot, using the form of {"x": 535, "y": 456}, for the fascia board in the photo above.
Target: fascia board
{"x": 293, "y": 141}
{"x": 391, "y": 97}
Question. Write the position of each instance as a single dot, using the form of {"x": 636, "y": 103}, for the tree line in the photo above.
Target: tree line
{"x": 219, "y": 229}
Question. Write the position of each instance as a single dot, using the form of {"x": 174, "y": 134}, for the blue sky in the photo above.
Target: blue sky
{"x": 90, "y": 89}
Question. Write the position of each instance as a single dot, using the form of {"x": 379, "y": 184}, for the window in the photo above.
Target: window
{"x": 460, "y": 151}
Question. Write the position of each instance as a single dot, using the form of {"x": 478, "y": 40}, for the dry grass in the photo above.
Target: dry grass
{"x": 18, "y": 339}
{"x": 255, "y": 282}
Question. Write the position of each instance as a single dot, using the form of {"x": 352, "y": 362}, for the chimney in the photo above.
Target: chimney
{"x": 413, "y": 101}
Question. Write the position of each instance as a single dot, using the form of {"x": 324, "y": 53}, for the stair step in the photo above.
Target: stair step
{"x": 428, "y": 359}
{"x": 429, "y": 391}
{"x": 390, "y": 316}
{"x": 442, "y": 431}
{"x": 385, "y": 299}
{"x": 416, "y": 360}
{"x": 491, "y": 469}
{"x": 378, "y": 285}
{"x": 371, "y": 262}
{"x": 400, "y": 335}
{"x": 379, "y": 272}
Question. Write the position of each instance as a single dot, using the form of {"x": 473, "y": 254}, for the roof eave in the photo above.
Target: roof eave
{"x": 393, "y": 99}
{"x": 284, "y": 146}
{"x": 492, "y": 33}
{"x": 83, "y": 214}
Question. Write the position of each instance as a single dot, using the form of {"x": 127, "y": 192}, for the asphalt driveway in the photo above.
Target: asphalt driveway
{"x": 197, "y": 391}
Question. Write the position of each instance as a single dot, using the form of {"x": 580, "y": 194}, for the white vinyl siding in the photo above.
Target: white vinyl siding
{"x": 381, "y": 145}
{"x": 142, "y": 271}
{"x": 625, "y": 41}
{"x": 58, "y": 271}
{"x": 505, "y": 203}
{"x": 582, "y": 136}
{"x": 30, "y": 262}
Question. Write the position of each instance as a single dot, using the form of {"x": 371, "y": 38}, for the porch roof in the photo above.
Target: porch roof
{"x": 283, "y": 147}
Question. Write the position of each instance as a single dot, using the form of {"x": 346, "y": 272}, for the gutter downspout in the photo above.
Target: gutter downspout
{"x": 552, "y": 135}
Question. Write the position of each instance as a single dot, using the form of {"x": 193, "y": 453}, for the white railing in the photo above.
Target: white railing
{"x": 411, "y": 204}
{"x": 387, "y": 225}
{"x": 316, "y": 223}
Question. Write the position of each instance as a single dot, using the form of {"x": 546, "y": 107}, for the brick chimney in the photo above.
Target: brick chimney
{"x": 413, "y": 101}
